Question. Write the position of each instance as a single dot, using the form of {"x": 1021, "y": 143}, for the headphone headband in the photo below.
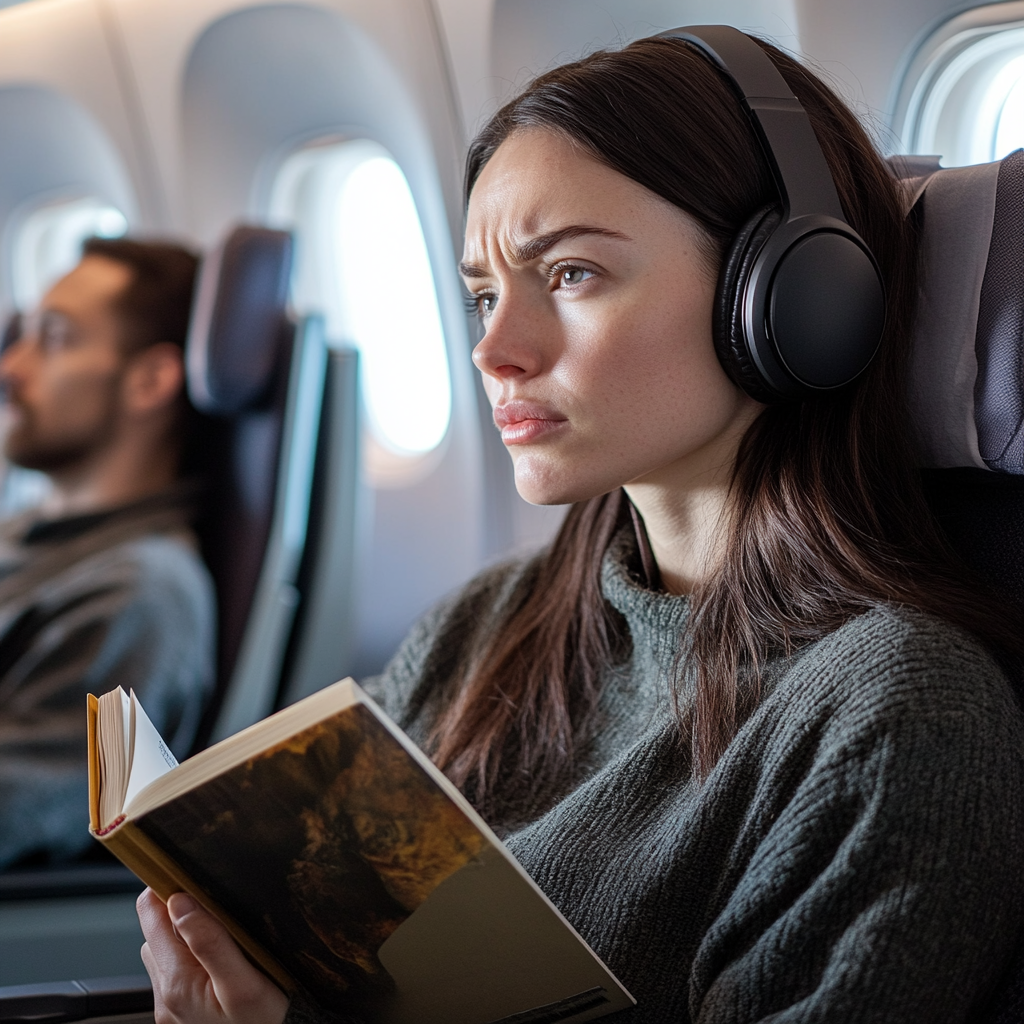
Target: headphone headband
{"x": 779, "y": 120}
{"x": 800, "y": 305}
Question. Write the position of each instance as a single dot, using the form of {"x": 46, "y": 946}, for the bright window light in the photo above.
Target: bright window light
{"x": 391, "y": 306}
{"x": 362, "y": 262}
{"x": 49, "y": 243}
{"x": 1009, "y": 126}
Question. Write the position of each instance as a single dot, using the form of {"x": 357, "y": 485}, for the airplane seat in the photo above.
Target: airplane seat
{"x": 967, "y": 389}
{"x": 967, "y": 376}
{"x": 259, "y": 379}
{"x": 238, "y": 340}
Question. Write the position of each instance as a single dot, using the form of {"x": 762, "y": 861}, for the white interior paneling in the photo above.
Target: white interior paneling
{"x": 246, "y": 104}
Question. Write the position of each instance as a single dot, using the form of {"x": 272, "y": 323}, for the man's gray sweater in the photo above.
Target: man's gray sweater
{"x": 857, "y": 854}
{"x": 111, "y": 598}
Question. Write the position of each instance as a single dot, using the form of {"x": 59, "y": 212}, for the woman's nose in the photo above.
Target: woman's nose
{"x": 510, "y": 348}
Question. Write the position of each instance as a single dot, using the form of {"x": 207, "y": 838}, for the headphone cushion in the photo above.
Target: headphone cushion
{"x": 731, "y": 342}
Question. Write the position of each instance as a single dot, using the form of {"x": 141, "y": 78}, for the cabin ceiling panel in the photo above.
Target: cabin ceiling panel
{"x": 61, "y": 49}
{"x": 531, "y": 36}
{"x": 866, "y": 46}
{"x": 161, "y": 35}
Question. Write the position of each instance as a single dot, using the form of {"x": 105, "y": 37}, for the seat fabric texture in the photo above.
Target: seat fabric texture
{"x": 967, "y": 391}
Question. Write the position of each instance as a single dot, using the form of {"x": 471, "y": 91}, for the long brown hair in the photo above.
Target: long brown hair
{"x": 827, "y": 517}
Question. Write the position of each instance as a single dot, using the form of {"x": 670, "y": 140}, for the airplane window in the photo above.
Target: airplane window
{"x": 1006, "y": 96}
{"x": 963, "y": 97}
{"x": 362, "y": 260}
{"x": 48, "y": 243}
{"x": 385, "y": 278}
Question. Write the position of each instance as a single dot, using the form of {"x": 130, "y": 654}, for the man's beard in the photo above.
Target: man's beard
{"x": 27, "y": 446}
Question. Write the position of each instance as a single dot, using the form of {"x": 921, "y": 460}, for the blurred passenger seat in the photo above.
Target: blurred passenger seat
{"x": 259, "y": 378}
{"x": 967, "y": 390}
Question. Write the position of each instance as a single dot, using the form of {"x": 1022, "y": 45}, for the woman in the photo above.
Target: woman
{"x": 743, "y": 721}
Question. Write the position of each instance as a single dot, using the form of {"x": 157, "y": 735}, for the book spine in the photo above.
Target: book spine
{"x": 140, "y": 854}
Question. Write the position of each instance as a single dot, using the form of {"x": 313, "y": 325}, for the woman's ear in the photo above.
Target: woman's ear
{"x": 153, "y": 379}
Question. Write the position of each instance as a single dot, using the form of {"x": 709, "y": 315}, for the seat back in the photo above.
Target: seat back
{"x": 967, "y": 389}
{"x": 259, "y": 379}
{"x": 323, "y": 639}
{"x": 967, "y": 382}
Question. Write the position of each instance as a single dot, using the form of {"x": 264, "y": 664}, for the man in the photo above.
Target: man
{"x": 103, "y": 584}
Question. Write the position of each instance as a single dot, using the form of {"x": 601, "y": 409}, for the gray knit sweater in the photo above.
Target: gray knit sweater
{"x": 855, "y": 856}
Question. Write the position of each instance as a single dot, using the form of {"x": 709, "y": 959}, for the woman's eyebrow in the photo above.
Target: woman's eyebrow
{"x": 533, "y": 248}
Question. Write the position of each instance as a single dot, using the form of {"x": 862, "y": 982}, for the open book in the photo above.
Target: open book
{"x": 344, "y": 862}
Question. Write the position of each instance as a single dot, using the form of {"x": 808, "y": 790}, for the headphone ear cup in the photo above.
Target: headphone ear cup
{"x": 731, "y": 342}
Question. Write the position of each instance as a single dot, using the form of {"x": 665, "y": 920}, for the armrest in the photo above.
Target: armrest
{"x": 74, "y": 880}
{"x": 57, "y": 1002}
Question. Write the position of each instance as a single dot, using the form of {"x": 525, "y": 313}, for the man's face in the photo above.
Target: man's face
{"x": 63, "y": 376}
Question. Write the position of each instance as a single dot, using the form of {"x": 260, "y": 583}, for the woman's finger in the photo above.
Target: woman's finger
{"x": 169, "y": 953}
{"x": 243, "y": 993}
{"x": 181, "y": 986}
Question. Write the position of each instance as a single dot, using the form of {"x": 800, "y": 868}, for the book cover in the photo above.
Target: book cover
{"x": 352, "y": 838}
{"x": 346, "y": 864}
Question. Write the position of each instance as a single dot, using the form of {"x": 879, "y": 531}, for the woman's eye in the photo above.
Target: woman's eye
{"x": 574, "y": 275}
{"x": 482, "y": 305}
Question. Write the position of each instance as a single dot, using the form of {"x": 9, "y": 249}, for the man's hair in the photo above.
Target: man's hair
{"x": 156, "y": 304}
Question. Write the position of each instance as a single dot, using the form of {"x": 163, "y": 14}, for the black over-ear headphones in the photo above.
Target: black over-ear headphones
{"x": 800, "y": 305}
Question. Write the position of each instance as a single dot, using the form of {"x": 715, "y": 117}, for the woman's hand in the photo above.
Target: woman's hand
{"x": 199, "y": 974}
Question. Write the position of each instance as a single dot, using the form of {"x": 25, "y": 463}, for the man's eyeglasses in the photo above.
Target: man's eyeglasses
{"x": 53, "y": 331}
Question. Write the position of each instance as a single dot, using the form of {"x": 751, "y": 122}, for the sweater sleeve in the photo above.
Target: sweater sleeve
{"x": 884, "y": 880}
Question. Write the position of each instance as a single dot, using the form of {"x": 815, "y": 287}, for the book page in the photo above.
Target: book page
{"x": 150, "y": 756}
{"x": 126, "y": 713}
{"x": 328, "y": 840}
{"x": 113, "y": 742}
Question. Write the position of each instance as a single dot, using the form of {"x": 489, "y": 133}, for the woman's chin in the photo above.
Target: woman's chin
{"x": 551, "y": 488}
{"x": 537, "y": 493}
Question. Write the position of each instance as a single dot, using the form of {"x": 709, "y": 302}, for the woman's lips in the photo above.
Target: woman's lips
{"x": 522, "y": 422}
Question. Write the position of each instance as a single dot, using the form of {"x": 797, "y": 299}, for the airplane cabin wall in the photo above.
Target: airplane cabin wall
{"x": 66, "y": 130}
{"x": 867, "y": 47}
{"x": 162, "y": 80}
{"x": 496, "y": 45}
{"x": 180, "y": 112}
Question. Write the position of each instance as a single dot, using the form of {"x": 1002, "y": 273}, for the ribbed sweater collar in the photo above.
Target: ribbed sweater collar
{"x": 656, "y": 620}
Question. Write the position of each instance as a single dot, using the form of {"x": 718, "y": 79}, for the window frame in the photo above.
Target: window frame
{"x": 303, "y": 196}
{"x": 947, "y": 79}
{"x": 39, "y": 218}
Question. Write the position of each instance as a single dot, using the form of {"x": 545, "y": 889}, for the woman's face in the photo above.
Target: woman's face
{"x": 596, "y": 299}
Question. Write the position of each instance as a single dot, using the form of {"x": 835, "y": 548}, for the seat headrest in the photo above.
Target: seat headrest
{"x": 967, "y": 370}
{"x": 240, "y": 308}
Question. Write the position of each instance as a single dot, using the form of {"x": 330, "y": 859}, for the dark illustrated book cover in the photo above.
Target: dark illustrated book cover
{"x": 346, "y": 864}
